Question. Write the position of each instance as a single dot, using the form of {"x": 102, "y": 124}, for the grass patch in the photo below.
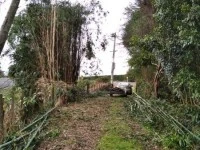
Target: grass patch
{"x": 118, "y": 134}
{"x": 53, "y": 133}
{"x": 112, "y": 141}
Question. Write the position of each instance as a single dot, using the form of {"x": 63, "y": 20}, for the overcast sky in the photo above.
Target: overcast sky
{"x": 113, "y": 23}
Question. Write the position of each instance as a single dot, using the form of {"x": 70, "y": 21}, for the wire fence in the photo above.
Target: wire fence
{"x": 98, "y": 86}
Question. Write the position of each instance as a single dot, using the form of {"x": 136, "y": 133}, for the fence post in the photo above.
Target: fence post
{"x": 88, "y": 88}
{"x": 1, "y": 118}
{"x": 12, "y": 107}
{"x": 52, "y": 94}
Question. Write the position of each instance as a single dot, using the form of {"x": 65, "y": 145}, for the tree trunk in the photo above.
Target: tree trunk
{"x": 7, "y": 23}
{"x": 1, "y": 118}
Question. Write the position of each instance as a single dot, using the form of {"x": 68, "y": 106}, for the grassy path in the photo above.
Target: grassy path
{"x": 117, "y": 132}
{"x": 99, "y": 123}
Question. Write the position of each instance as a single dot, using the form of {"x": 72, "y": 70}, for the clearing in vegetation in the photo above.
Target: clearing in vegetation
{"x": 99, "y": 123}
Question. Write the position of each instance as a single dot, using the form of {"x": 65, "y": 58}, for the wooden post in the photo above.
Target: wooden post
{"x": 12, "y": 107}
{"x": 88, "y": 88}
{"x": 1, "y": 118}
{"x": 52, "y": 95}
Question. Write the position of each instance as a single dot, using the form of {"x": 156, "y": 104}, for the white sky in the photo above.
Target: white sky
{"x": 112, "y": 23}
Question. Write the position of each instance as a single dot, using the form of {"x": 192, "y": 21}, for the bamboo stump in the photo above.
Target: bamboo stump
{"x": 88, "y": 88}
{"x": 1, "y": 118}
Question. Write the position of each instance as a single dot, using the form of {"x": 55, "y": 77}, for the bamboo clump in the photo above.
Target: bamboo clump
{"x": 148, "y": 110}
{"x": 29, "y": 131}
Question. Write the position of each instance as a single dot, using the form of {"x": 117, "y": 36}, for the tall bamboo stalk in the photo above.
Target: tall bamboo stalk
{"x": 53, "y": 39}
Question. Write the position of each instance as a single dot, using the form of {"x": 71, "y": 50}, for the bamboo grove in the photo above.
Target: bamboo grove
{"x": 51, "y": 40}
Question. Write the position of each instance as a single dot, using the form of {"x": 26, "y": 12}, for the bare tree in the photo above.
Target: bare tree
{"x": 8, "y": 22}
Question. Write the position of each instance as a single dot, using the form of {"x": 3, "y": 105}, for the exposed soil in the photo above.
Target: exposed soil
{"x": 80, "y": 126}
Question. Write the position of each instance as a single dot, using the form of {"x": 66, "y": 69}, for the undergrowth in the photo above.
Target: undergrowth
{"x": 175, "y": 126}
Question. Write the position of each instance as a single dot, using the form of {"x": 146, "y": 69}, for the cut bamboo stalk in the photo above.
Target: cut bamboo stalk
{"x": 168, "y": 117}
{"x": 15, "y": 140}
{"x": 35, "y": 133}
{"x": 33, "y": 123}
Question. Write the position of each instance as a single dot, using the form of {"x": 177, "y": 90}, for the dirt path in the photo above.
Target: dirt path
{"x": 100, "y": 123}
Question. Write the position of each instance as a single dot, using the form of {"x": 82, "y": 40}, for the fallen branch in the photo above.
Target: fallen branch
{"x": 27, "y": 127}
{"x": 15, "y": 140}
{"x": 34, "y": 135}
{"x": 166, "y": 116}
{"x": 33, "y": 123}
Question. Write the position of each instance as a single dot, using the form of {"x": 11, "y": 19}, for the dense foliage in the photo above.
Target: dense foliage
{"x": 48, "y": 42}
{"x": 172, "y": 43}
{"x": 51, "y": 40}
{"x": 167, "y": 55}
{"x": 178, "y": 36}
{"x": 142, "y": 62}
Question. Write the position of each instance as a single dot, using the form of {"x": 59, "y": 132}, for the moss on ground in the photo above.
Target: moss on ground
{"x": 118, "y": 134}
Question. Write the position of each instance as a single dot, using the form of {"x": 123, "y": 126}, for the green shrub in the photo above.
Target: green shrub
{"x": 75, "y": 94}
